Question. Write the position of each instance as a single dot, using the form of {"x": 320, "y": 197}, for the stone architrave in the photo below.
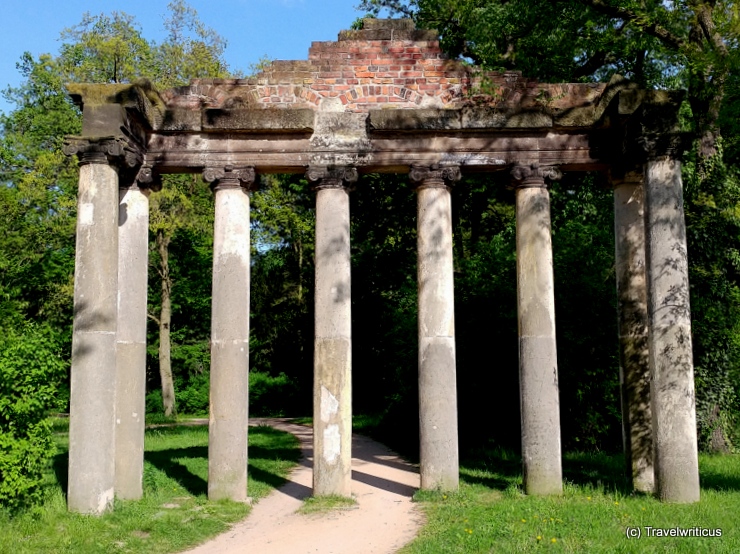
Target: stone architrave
{"x": 133, "y": 253}
{"x": 438, "y": 434}
{"x": 93, "y": 373}
{"x": 538, "y": 366}
{"x": 229, "y": 390}
{"x": 669, "y": 315}
{"x": 634, "y": 367}
{"x": 332, "y": 390}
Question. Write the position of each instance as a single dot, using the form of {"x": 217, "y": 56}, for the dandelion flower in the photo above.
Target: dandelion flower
{"x": 553, "y": 540}
{"x": 539, "y": 537}
{"x": 524, "y": 520}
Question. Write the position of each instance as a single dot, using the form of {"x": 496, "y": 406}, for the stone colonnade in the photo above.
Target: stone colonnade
{"x": 107, "y": 404}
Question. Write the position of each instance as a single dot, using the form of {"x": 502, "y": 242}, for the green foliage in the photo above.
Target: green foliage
{"x": 174, "y": 514}
{"x": 31, "y": 368}
{"x": 713, "y": 221}
{"x": 271, "y": 395}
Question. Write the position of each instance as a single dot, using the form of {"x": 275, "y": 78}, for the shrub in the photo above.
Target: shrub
{"x": 31, "y": 368}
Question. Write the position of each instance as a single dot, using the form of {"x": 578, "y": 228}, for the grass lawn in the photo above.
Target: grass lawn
{"x": 174, "y": 513}
{"x": 491, "y": 514}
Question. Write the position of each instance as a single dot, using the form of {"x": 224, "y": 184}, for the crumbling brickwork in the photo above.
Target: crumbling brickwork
{"x": 389, "y": 64}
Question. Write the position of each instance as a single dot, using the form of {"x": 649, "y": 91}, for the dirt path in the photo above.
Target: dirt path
{"x": 382, "y": 522}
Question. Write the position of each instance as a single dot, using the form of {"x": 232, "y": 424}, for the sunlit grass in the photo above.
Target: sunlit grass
{"x": 323, "y": 504}
{"x": 174, "y": 513}
{"x": 490, "y": 513}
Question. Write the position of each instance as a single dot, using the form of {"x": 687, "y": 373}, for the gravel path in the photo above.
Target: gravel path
{"x": 383, "y": 521}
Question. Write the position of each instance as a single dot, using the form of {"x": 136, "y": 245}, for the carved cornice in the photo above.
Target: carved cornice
{"x": 117, "y": 151}
{"x": 230, "y": 177}
{"x": 534, "y": 175}
{"x": 434, "y": 175}
{"x": 323, "y": 177}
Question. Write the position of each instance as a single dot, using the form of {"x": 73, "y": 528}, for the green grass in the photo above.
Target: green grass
{"x": 174, "y": 513}
{"x": 491, "y": 514}
{"x": 323, "y": 504}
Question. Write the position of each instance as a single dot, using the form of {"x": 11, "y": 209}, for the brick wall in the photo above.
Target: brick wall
{"x": 380, "y": 67}
{"x": 387, "y": 65}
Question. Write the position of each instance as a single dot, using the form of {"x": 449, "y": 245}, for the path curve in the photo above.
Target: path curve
{"x": 383, "y": 521}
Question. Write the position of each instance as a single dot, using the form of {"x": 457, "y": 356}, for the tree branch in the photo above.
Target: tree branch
{"x": 640, "y": 21}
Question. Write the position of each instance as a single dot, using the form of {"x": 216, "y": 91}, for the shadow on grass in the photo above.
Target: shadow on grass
{"x": 719, "y": 481}
{"x": 171, "y": 461}
{"x": 500, "y": 469}
{"x": 60, "y": 467}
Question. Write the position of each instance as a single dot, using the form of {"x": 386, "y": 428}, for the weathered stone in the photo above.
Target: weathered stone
{"x": 332, "y": 392}
{"x": 227, "y": 431}
{"x": 414, "y": 120}
{"x": 93, "y": 373}
{"x": 340, "y": 131}
{"x": 634, "y": 367}
{"x": 671, "y": 358}
{"x": 181, "y": 119}
{"x": 262, "y": 120}
{"x": 438, "y": 444}
{"x": 133, "y": 249}
{"x": 538, "y": 366}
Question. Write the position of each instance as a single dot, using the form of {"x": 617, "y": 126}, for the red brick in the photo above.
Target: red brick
{"x": 382, "y": 99}
{"x": 412, "y": 74}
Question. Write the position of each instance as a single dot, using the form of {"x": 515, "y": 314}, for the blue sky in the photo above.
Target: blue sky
{"x": 278, "y": 29}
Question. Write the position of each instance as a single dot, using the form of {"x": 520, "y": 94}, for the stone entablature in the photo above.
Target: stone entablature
{"x": 381, "y": 99}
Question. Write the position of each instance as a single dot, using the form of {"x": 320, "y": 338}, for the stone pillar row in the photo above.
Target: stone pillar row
{"x": 92, "y": 469}
{"x": 109, "y": 332}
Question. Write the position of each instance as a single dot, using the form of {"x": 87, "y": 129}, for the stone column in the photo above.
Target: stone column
{"x": 671, "y": 360}
{"x": 634, "y": 367}
{"x": 227, "y": 431}
{"x": 332, "y": 389}
{"x": 538, "y": 365}
{"x": 93, "y": 373}
{"x": 438, "y": 444}
{"x": 133, "y": 257}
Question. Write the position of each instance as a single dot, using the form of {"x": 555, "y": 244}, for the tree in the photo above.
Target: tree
{"x": 689, "y": 43}
{"x": 40, "y": 191}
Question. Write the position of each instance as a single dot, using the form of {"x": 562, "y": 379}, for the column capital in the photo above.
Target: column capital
{"x": 534, "y": 175}
{"x": 142, "y": 178}
{"x": 656, "y": 145}
{"x": 619, "y": 175}
{"x": 434, "y": 176}
{"x": 116, "y": 151}
{"x": 330, "y": 176}
{"x": 230, "y": 177}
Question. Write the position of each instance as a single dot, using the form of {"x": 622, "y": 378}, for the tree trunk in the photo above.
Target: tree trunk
{"x": 165, "y": 317}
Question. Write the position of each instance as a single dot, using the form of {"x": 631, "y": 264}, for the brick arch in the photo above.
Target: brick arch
{"x": 380, "y": 94}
